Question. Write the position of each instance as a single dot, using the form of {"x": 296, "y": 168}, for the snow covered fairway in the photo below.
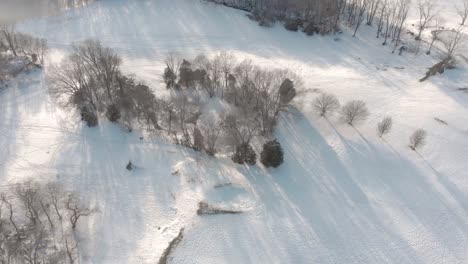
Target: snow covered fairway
{"x": 338, "y": 197}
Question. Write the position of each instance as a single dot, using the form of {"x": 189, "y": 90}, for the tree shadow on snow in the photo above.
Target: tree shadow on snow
{"x": 351, "y": 208}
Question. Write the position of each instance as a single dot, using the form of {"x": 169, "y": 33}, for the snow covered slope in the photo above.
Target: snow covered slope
{"x": 338, "y": 198}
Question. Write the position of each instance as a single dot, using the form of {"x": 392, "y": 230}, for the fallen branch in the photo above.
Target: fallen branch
{"x": 206, "y": 209}
{"x": 437, "y": 68}
{"x": 167, "y": 252}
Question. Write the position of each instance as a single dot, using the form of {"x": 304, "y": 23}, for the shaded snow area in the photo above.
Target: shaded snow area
{"x": 337, "y": 198}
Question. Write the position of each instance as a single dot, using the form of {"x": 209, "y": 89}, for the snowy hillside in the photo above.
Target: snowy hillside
{"x": 339, "y": 197}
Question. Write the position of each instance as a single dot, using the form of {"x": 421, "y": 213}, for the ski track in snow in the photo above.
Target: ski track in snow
{"x": 336, "y": 199}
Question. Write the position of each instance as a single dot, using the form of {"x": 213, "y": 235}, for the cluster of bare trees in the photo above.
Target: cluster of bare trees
{"x": 351, "y": 113}
{"x": 391, "y": 18}
{"x": 312, "y": 16}
{"x": 355, "y": 112}
{"x": 37, "y": 224}
{"x": 22, "y": 49}
{"x": 255, "y": 96}
{"x": 325, "y": 16}
{"x": 90, "y": 79}
{"x": 19, "y": 44}
{"x": 450, "y": 39}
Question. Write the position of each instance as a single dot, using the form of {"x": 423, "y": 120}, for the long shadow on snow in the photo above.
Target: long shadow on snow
{"x": 98, "y": 173}
{"x": 342, "y": 204}
{"x": 23, "y": 96}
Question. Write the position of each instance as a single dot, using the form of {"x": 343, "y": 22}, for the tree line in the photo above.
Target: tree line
{"x": 213, "y": 103}
{"x": 327, "y": 16}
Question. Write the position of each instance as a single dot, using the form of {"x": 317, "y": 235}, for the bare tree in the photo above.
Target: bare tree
{"x": 273, "y": 91}
{"x": 462, "y": 11}
{"x": 70, "y": 83}
{"x": 400, "y": 18}
{"x": 427, "y": 12}
{"x": 354, "y": 112}
{"x": 373, "y": 6}
{"x": 8, "y": 203}
{"x": 384, "y": 126}
{"x": 241, "y": 130}
{"x": 228, "y": 62}
{"x": 76, "y": 209}
{"x": 8, "y": 33}
{"x": 212, "y": 131}
{"x": 211, "y": 72}
{"x": 187, "y": 112}
{"x": 173, "y": 63}
{"x": 102, "y": 63}
{"x": 382, "y": 17}
{"x": 453, "y": 41}
{"x": 438, "y": 28}
{"x": 29, "y": 196}
{"x": 71, "y": 248}
{"x": 33, "y": 241}
{"x": 389, "y": 13}
{"x": 26, "y": 46}
{"x": 214, "y": 80}
{"x": 55, "y": 195}
{"x": 418, "y": 139}
{"x": 326, "y": 104}
{"x": 32, "y": 247}
{"x": 4, "y": 65}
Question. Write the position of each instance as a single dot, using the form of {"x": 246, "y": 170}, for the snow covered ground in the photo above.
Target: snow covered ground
{"x": 338, "y": 198}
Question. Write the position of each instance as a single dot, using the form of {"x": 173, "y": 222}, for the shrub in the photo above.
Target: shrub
{"x": 245, "y": 154}
{"x": 113, "y": 113}
{"x": 129, "y": 165}
{"x": 89, "y": 116}
{"x": 272, "y": 154}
